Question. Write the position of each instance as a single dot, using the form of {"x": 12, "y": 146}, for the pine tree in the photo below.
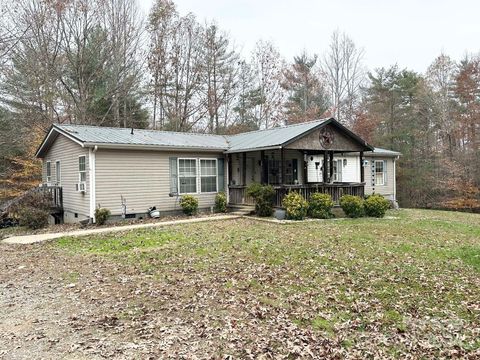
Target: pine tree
{"x": 307, "y": 99}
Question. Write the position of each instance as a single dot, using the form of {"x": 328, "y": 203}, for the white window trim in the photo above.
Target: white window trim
{"x": 339, "y": 164}
{"x": 48, "y": 166}
{"x": 196, "y": 175}
{"x": 200, "y": 177}
{"x": 84, "y": 171}
{"x": 383, "y": 172}
{"x": 57, "y": 180}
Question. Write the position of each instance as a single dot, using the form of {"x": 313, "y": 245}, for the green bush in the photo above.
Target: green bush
{"x": 376, "y": 206}
{"x": 33, "y": 218}
{"x": 263, "y": 196}
{"x": 189, "y": 204}
{"x": 296, "y": 207}
{"x": 352, "y": 206}
{"x": 320, "y": 206}
{"x": 221, "y": 202}
{"x": 101, "y": 215}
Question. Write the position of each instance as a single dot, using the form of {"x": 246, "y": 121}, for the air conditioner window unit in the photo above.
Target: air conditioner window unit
{"x": 81, "y": 187}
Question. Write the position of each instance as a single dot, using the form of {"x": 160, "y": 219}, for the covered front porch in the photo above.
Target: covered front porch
{"x": 292, "y": 170}
{"x": 327, "y": 158}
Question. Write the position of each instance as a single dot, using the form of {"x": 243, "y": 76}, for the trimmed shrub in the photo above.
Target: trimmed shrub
{"x": 352, "y": 206}
{"x": 221, "y": 202}
{"x": 33, "y": 218}
{"x": 263, "y": 196}
{"x": 101, "y": 216}
{"x": 296, "y": 207}
{"x": 376, "y": 206}
{"x": 320, "y": 206}
{"x": 189, "y": 204}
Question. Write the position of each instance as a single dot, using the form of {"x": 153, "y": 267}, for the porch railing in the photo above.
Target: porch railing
{"x": 55, "y": 192}
{"x": 238, "y": 195}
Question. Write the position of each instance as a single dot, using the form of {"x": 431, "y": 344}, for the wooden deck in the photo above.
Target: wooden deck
{"x": 237, "y": 193}
{"x": 56, "y": 194}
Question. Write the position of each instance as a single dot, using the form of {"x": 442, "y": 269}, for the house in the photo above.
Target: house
{"x": 130, "y": 170}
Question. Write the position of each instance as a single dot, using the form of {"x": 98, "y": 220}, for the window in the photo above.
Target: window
{"x": 82, "y": 169}
{"x": 208, "y": 175}
{"x": 49, "y": 172}
{"x": 58, "y": 172}
{"x": 337, "y": 170}
{"x": 380, "y": 172}
{"x": 187, "y": 175}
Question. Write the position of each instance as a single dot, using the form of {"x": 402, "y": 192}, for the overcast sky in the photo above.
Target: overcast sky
{"x": 407, "y": 32}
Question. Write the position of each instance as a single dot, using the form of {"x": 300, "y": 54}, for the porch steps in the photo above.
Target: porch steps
{"x": 240, "y": 210}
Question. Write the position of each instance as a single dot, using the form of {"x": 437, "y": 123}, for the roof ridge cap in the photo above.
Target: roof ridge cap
{"x": 136, "y": 129}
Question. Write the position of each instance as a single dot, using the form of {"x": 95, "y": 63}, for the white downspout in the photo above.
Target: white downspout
{"x": 395, "y": 178}
{"x": 92, "y": 177}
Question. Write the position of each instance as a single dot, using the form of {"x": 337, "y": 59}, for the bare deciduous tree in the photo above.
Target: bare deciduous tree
{"x": 268, "y": 65}
{"x": 345, "y": 74}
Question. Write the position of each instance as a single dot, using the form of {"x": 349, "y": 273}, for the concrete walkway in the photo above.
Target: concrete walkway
{"x": 31, "y": 239}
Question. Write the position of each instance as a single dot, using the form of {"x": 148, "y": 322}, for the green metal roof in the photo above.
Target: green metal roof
{"x": 125, "y": 136}
{"x": 269, "y": 138}
{"x": 380, "y": 151}
{"x": 137, "y": 138}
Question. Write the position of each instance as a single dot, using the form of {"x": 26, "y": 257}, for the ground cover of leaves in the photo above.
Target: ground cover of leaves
{"x": 402, "y": 287}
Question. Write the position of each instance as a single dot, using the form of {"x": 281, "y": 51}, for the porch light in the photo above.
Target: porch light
{"x": 344, "y": 162}
{"x": 311, "y": 158}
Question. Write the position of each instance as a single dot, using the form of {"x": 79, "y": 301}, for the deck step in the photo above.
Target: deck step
{"x": 241, "y": 209}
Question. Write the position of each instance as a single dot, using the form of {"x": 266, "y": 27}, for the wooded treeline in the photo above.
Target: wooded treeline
{"x": 103, "y": 62}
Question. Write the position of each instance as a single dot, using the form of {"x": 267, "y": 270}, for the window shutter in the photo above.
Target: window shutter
{"x": 385, "y": 173}
{"x": 173, "y": 176}
{"x": 221, "y": 174}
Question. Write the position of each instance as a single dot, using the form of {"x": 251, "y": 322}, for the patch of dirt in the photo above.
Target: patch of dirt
{"x": 87, "y": 307}
{"x": 18, "y": 231}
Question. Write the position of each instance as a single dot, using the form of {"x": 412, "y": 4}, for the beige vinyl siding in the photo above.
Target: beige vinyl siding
{"x": 387, "y": 189}
{"x": 142, "y": 178}
{"x": 67, "y": 151}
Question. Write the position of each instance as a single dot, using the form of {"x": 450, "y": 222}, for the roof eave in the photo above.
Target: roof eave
{"x": 41, "y": 149}
{"x": 274, "y": 147}
{"x": 101, "y": 145}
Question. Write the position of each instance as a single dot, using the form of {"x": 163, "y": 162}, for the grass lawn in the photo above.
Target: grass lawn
{"x": 348, "y": 288}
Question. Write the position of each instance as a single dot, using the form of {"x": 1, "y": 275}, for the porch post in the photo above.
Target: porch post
{"x": 330, "y": 179}
{"x": 282, "y": 166}
{"x": 264, "y": 169}
{"x": 230, "y": 172}
{"x": 227, "y": 180}
{"x": 244, "y": 169}
{"x": 325, "y": 166}
{"x": 362, "y": 170}
{"x": 305, "y": 167}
